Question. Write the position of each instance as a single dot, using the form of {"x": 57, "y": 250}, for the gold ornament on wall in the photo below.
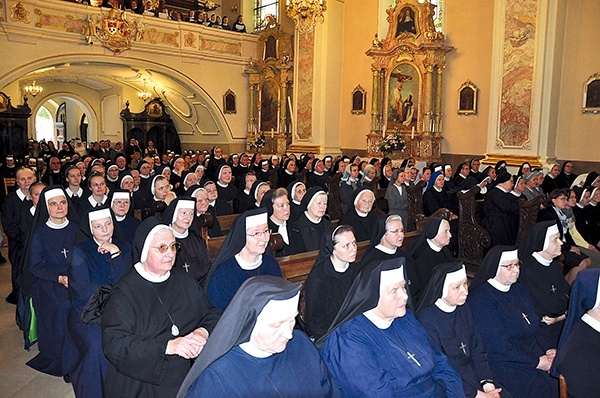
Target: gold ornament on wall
{"x": 19, "y": 13}
{"x": 306, "y": 14}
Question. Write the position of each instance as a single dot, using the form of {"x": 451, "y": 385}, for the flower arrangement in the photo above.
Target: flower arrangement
{"x": 392, "y": 143}
{"x": 258, "y": 143}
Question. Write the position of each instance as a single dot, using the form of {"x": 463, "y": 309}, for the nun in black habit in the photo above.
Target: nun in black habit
{"x": 330, "y": 278}
{"x": 235, "y": 362}
{"x": 244, "y": 253}
{"x": 578, "y": 354}
{"x": 451, "y": 328}
{"x": 297, "y": 190}
{"x": 155, "y": 321}
{"x": 362, "y": 216}
{"x": 386, "y": 243}
{"x": 277, "y": 203}
{"x": 519, "y": 350}
{"x": 45, "y": 278}
{"x": 202, "y": 206}
{"x": 542, "y": 276}
{"x": 308, "y": 229}
{"x": 500, "y": 212}
{"x": 99, "y": 258}
{"x": 192, "y": 257}
{"x": 120, "y": 203}
{"x": 428, "y": 251}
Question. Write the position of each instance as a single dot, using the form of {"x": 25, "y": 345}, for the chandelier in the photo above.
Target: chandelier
{"x": 33, "y": 89}
{"x": 144, "y": 95}
{"x": 305, "y": 13}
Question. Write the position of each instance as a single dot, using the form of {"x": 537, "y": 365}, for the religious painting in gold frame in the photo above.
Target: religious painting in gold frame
{"x": 269, "y": 105}
{"x": 404, "y": 88}
{"x": 467, "y": 98}
{"x": 591, "y": 94}
{"x": 229, "y": 103}
{"x": 359, "y": 99}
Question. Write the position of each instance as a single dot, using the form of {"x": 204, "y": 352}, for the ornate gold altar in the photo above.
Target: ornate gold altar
{"x": 270, "y": 79}
{"x": 407, "y": 71}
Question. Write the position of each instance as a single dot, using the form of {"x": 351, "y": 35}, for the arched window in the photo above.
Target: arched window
{"x": 44, "y": 125}
{"x": 262, "y": 8}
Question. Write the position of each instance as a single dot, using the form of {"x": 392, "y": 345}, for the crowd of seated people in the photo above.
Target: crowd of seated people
{"x": 126, "y": 216}
{"x": 161, "y": 10}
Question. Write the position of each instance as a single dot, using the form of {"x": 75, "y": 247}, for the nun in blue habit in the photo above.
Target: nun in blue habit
{"x": 519, "y": 350}
{"x": 100, "y": 258}
{"x": 50, "y": 246}
{"x": 578, "y": 355}
{"x": 242, "y": 256}
{"x": 377, "y": 348}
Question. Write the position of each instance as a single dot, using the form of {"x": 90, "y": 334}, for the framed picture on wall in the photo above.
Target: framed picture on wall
{"x": 591, "y": 94}
{"x": 467, "y": 98}
{"x": 359, "y": 99}
{"x": 229, "y": 102}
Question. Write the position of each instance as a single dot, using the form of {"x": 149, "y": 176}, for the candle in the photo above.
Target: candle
{"x": 271, "y": 133}
{"x": 412, "y": 134}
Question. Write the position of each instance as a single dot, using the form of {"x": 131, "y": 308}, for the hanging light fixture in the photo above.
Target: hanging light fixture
{"x": 144, "y": 95}
{"x": 33, "y": 89}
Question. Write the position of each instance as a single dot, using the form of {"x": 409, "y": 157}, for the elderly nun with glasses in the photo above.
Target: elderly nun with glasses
{"x": 156, "y": 321}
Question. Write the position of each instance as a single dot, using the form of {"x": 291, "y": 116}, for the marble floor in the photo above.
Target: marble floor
{"x": 16, "y": 378}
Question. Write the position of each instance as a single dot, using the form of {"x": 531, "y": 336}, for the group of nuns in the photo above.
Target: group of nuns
{"x": 176, "y": 324}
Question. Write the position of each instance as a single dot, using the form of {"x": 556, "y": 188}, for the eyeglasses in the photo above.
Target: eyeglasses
{"x": 175, "y": 246}
{"x": 260, "y": 234}
{"x": 511, "y": 266}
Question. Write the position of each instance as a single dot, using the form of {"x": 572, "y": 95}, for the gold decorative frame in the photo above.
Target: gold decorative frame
{"x": 467, "y": 98}
{"x": 591, "y": 94}
{"x": 229, "y": 102}
{"x": 359, "y": 101}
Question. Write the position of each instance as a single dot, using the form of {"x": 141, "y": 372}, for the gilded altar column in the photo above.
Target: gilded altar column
{"x": 428, "y": 111}
{"x": 306, "y": 14}
{"x": 253, "y": 84}
{"x": 437, "y": 110}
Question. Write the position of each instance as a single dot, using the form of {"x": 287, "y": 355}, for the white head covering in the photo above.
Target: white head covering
{"x": 453, "y": 277}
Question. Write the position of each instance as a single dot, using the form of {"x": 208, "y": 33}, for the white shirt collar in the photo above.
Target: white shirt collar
{"x": 32, "y": 210}
{"x": 21, "y": 195}
{"x": 541, "y": 259}
{"x": 437, "y": 189}
{"x": 120, "y": 218}
{"x": 442, "y": 305}
{"x": 433, "y": 246}
{"x": 502, "y": 189}
{"x": 252, "y": 350}
{"x": 386, "y": 250}
{"x": 149, "y": 277}
{"x": 222, "y": 185}
{"x": 178, "y": 235}
{"x": 592, "y": 322}
{"x": 312, "y": 220}
{"x": 361, "y": 214}
{"x": 377, "y": 321}
{"x": 246, "y": 266}
{"x": 499, "y": 286}
{"x": 93, "y": 201}
{"x": 71, "y": 193}
{"x": 57, "y": 226}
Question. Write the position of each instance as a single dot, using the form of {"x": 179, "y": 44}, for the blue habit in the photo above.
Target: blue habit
{"x": 298, "y": 371}
{"x": 455, "y": 335}
{"x": 88, "y": 270}
{"x": 48, "y": 260}
{"x": 366, "y": 361}
{"x": 229, "y": 276}
{"x": 512, "y": 336}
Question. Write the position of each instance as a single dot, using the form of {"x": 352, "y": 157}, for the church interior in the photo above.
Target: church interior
{"x": 512, "y": 80}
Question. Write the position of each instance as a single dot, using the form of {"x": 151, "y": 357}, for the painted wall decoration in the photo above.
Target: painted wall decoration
{"x": 518, "y": 73}
{"x": 403, "y": 97}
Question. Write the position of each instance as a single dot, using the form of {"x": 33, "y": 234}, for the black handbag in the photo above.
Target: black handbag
{"x": 92, "y": 312}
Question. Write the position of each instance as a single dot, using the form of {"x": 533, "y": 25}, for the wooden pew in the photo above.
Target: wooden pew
{"x": 473, "y": 239}
{"x": 528, "y": 216}
{"x": 415, "y": 204}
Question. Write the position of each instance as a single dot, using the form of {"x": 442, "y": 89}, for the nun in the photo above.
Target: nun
{"x": 202, "y": 206}
{"x": 219, "y": 207}
{"x": 436, "y": 197}
{"x": 542, "y": 277}
{"x": 120, "y": 204}
{"x": 258, "y": 190}
{"x": 256, "y": 352}
{"x": 362, "y": 217}
{"x": 330, "y": 278}
{"x": 578, "y": 355}
{"x": 98, "y": 259}
{"x": 277, "y": 203}
{"x": 375, "y": 346}
{"x": 312, "y": 222}
{"x": 155, "y": 321}
{"x": 51, "y": 240}
{"x": 429, "y": 250}
{"x": 386, "y": 243}
{"x": 243, "y": 201}
{"x": 397, "y": 195}
{"x": 500, "y": 212}
{"x": 519, "y": 350}
{"x": 287, "y": 174}
{"x": 451, "y": 329}
{"x": 242, "y": 255}
{"x": 225, "y": 186}
{"x": 192, "y": 258}
{"x": 297, "y": 190}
